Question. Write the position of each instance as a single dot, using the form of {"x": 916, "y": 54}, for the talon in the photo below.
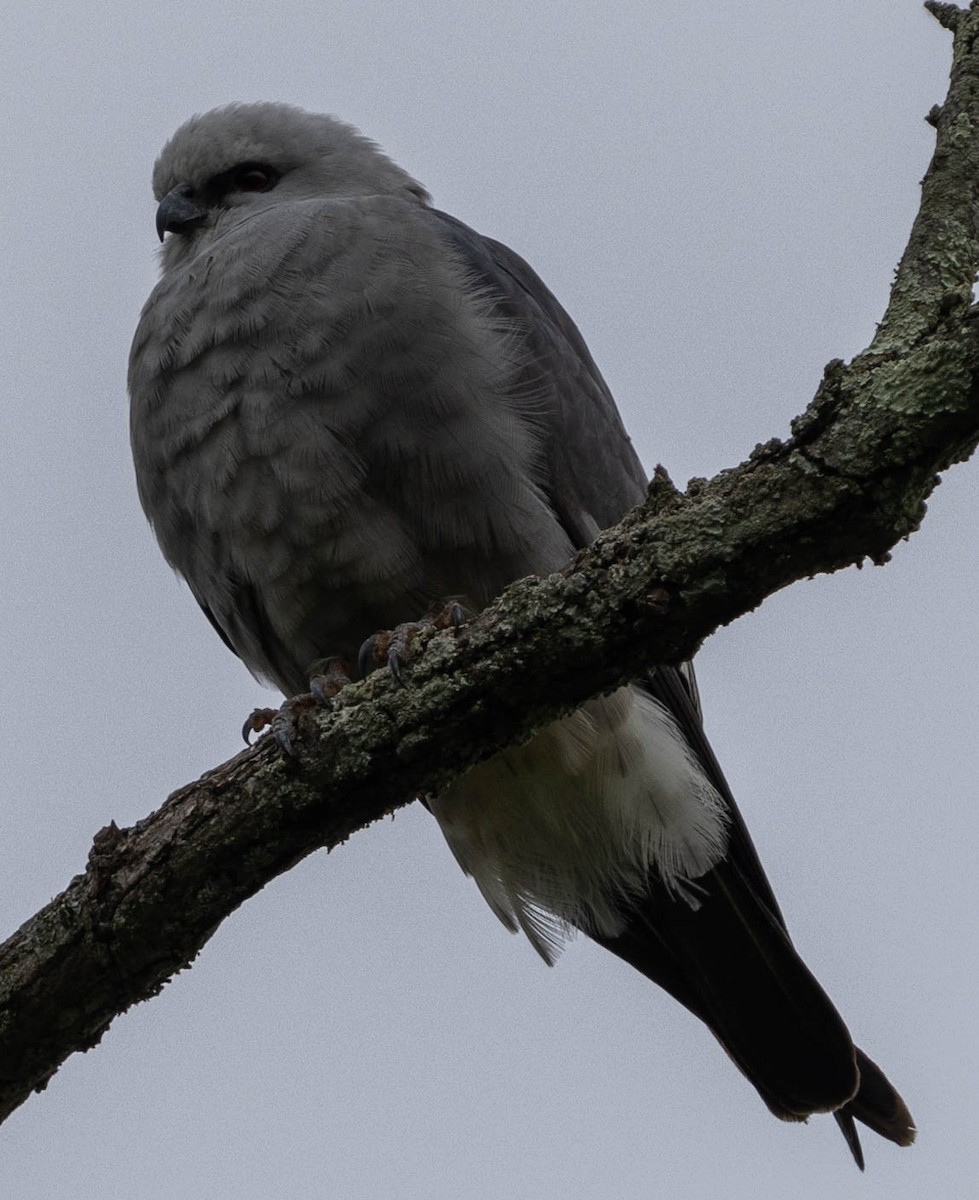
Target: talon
{"x": 394, "y": 647}
{"x": 399, "y": 648}
{"x": 257, "y": 721}
{"x": 283, "y": 728}
{"x": 386, "y": 647}
{"x": 284, "y": 725}
{"x": 452, "y": 615}
{"x": 366, "y": 656}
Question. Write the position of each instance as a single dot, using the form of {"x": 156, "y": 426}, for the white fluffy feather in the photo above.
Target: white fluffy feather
{"x": 595, "y": 809}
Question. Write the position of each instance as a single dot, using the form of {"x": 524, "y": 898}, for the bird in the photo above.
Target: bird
{"x": 346, "y": 406}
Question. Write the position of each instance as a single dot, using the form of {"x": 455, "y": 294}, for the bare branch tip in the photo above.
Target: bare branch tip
{"x": 662, "y": 491}
{"x": 947, "y": 15}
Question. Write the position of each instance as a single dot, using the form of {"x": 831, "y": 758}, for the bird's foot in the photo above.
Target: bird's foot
{"x": 393, "y": 647}
{"x": 390, "y": 646}
{"x": 257, "y": 721}
{"x": 283, "y": 722}
{"x": 328, "y": 682}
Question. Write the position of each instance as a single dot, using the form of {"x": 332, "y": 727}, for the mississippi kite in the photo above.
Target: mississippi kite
{"x": 347, "y": 406}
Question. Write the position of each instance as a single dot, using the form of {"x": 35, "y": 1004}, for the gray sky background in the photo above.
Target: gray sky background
{"x": 718, "y": 194}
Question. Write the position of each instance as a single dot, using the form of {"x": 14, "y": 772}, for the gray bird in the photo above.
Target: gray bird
{"x": 348, "y": 406}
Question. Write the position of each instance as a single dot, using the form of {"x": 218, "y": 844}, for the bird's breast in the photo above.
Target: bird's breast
{"x": 324, "y": 412}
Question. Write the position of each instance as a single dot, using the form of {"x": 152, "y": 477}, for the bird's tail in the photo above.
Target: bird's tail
{"x": 731, "y": 962}
{"x": 878, "y": 1106}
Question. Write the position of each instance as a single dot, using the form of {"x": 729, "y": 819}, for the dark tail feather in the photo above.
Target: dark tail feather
{"x": 878, "y": 1106}
{"x": 849, "y": 1131}
{"x": 731, "y": 963}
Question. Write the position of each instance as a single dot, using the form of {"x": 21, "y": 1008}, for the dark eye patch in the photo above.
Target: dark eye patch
{"x": 254, "y": 178}
{"x": 245, "y": 177}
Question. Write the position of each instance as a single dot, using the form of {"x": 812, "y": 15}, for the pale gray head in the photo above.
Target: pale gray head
{"x": 236, "y": 160}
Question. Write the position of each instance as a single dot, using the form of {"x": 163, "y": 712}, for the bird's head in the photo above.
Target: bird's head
{"x": 232, "y": 162}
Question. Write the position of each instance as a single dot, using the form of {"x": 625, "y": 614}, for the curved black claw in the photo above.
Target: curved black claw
{"x": 366, "y": 656}
{"x": 283, "y": 729}
{"x": 394, "y": 648}
{"x": 282, "y": 723}
{"x": 394, "y": 665}
{"x": 399, "y": 648}
{"x": 257, "y": 721}
{"x": 391, "y": 648}
{"x": 284, "y": 726}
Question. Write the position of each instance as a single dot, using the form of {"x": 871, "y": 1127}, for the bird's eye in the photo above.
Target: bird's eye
{"x": 255, "y": 179}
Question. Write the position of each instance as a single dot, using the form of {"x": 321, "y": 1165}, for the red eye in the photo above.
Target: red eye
{"x": 255, "y": 179}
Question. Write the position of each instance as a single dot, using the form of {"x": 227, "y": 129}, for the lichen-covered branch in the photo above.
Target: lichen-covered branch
{"x": 851, "y": 481}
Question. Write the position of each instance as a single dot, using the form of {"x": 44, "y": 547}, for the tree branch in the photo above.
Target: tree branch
{"x": 850, "y": 482}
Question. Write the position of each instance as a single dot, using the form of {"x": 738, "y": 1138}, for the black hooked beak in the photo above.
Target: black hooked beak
{"x": 179, "y": 211}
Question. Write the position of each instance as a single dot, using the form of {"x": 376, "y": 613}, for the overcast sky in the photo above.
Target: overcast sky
{"x": 719, "y": 199}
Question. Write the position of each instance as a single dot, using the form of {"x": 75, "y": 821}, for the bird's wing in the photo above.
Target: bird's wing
{"x": 592, "y": 473}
